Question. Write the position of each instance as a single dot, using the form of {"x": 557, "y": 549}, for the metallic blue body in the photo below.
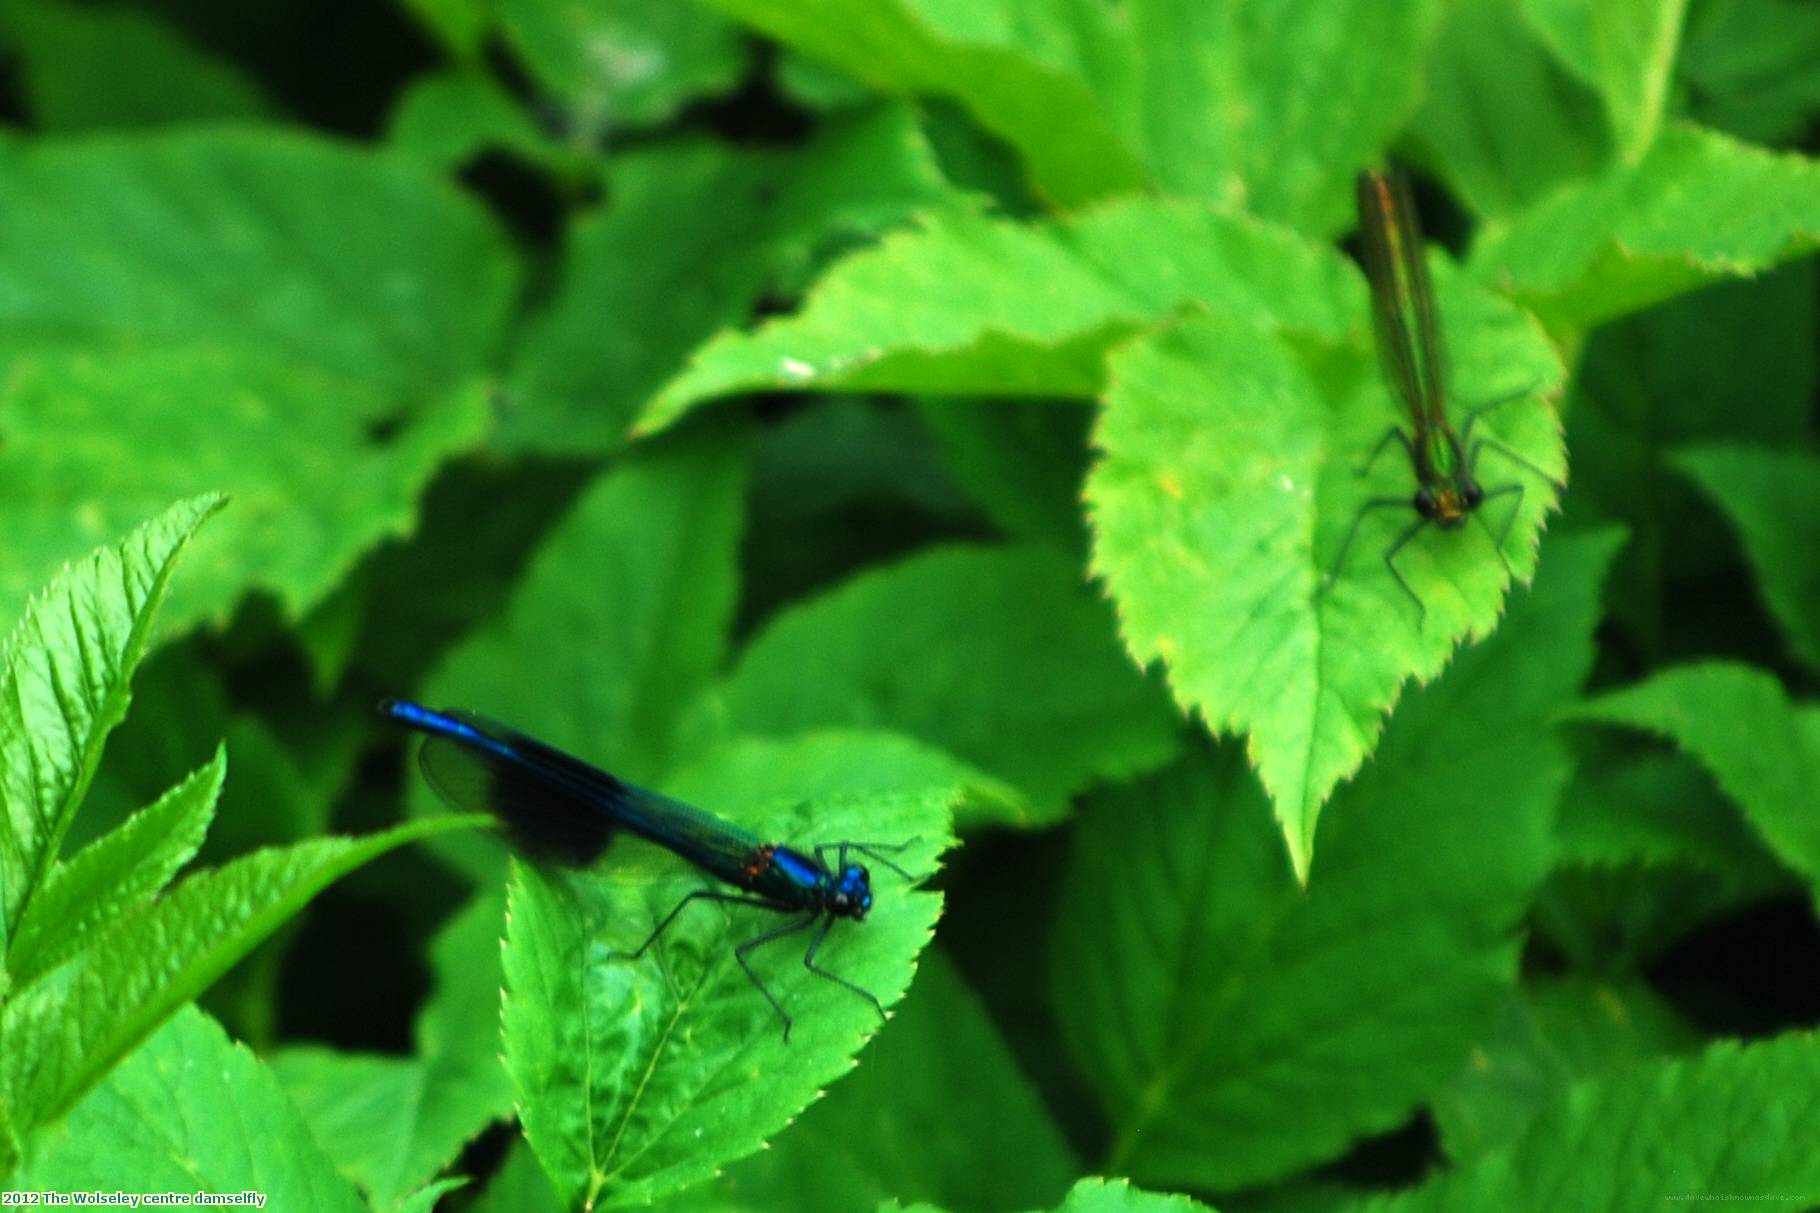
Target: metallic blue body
{"x": 792, "y": 879}
{"x": 557, "y": 806}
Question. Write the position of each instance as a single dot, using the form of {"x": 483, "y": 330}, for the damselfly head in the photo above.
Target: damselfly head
{"x": 852, "y": 893}
{"x": 1447, "y": 505}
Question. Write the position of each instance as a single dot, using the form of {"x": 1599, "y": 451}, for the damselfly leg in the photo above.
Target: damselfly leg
{"x": 700, "y": 895}
{"x": 869, "y": 849}
{"x": 789, "y": 928}
{"x": 809, "y": 963}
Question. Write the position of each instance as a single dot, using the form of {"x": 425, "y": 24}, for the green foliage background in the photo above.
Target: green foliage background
{"x": 926, "y": 420}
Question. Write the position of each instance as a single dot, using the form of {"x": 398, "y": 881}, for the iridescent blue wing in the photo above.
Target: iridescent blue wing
{"x": 553, "y": 806}
{"x": 556, "y": 806}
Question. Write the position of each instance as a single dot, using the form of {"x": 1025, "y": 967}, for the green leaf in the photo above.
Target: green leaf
{"x": 459, "y": 569}
{"x": 644, "y": 574}
{"x": 1752, "y": 67}
{"x": 1023, "y": 461}
{"x": 839, "y": 483}
{"x": 971, "y": 158}
{"x": 392, "y": 1123}
{"x": 639, "y": 1077}
{"x": 187, "y": 1111}
{"x": 1697, "y": 208}
{"x": 311, "y": 317}
{"x": 115, "y": 66}
{"x": 1228, "y": 485}
{"x": 933, "y": 646}
{"x": 1548, "y": 1037}
{"x": 9, "y": 1144}
{"x": 1736, "y": 1120}
{"x": 1211, "y": 1025}
{"x": 1772, "y": 497}
{"x": 817, "y": 86}
{"x": 1488, "y": 65}
{"x": 644, "y": 567}
{"x": 1739, "y": 723}
{"x": 328, "y": 634}
{"x": 1650, "y": 850}
{"x": 614, "y": 64}
{"x": 460, "y": 25}
{"x": 1096, "y": 1196}
{"x": 311, "y": 486}
{"x": 67, "y": 1029}
{"x": 895, "y": 1127}
{"x": 114, "y": 875}
{"x": 289, "y": 766}
{"x": 1652, "y": 808}
{"x": 344, "y": 260}
{"x": 64, "y": 687}
{"x": 633, "y": 300}
{"x": 1666, "y": 378}
{"x": 365, "y": 1109}
{"x": 452, "y": 117}
{"x": 519, "y": 1186}
{"x": 424, "y": 1199}
{"x": 973, "y": 305}
{"x": 1626, "y": 50}
{"x": 1275, "y": 107}
{"x": 1027, "y": 74}
{"x": 837, "y": 454}
{"x": 1620, "y": 918}
{"x": 849, "y": 762}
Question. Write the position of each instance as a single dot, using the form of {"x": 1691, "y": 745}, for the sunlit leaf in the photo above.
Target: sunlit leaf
{"x": 1228, "y": 485}
{"x": 1699, "y": 207}
{"x": 114, "y": 874}
{"x": 1195, "y": 978}
{"x": 1273, "y": 107}
{"x": 970, "y": 304}
{"x": 633, "y": 300}
{"x": 68, "y": 1028}
{"x": 64, "y": 687}
{"x": 1094, "y": 1196}
{"x": 312, "y": 487}
{"x": 895, "y": 1129}
{"x": 189, "y": 1110}
{"x": 640, "y": 1077}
